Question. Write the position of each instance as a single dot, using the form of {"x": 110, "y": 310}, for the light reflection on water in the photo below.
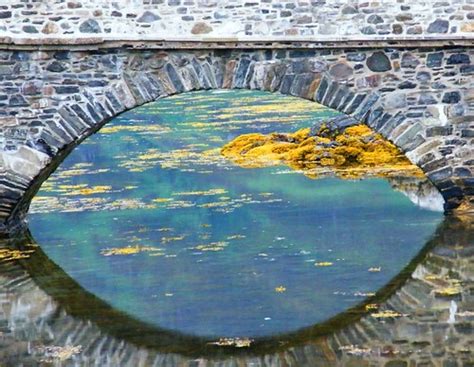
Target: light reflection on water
{"x": 150, "y": 218}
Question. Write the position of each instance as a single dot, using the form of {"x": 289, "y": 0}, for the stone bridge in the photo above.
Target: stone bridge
{"x": 66, "y": 68}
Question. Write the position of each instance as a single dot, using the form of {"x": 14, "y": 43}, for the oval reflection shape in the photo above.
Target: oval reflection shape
{"x": 151, "y": 218}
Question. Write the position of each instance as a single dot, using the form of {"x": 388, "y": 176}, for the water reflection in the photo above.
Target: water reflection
{"x": 428, "y": 318}
{"x": 421, "y": 192}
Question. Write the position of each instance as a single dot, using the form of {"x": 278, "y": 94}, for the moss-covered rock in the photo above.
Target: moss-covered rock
{"x": 357, "y": 151}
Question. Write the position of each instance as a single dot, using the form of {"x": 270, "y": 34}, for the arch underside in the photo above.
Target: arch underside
{"x": 77, "y": 106}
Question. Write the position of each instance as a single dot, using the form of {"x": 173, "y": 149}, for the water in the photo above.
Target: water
{"x": 150, "y": 218}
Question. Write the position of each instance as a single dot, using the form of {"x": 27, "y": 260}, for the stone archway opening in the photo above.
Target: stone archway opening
{"x": 152, "y": 194}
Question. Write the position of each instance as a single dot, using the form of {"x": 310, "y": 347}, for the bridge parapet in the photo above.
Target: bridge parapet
{"x": 198, "y": 19}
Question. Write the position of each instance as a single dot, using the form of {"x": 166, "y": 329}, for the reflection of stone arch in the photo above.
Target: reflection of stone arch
{"x": 62, "y": 318}
{"x": 87, "y": 90}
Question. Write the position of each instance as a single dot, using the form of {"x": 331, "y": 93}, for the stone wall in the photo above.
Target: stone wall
{"x": 420, "y": 99}
{"x": 333, "y": 19}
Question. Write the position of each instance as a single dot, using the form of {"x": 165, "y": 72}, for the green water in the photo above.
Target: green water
{"x": 149, "y": 217}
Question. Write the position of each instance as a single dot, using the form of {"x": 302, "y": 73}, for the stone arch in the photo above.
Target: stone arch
{"x": 132, "y": 79}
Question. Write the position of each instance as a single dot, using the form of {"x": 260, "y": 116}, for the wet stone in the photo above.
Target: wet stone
{"x": 439, "y": 131}
{"x": 5, "y": 14}
{"x": 451, "y": 97}
{"x": 17, "y": 100}
{"x": 467, "y": 69}
{"x": 379, "y": 62}
{"x": 435, "y": 60}
{"x": 406, "y": 85}
{"x": 66, "y": 89}
{"x": 56, "y": 67}
{"x": 458, "y": 59}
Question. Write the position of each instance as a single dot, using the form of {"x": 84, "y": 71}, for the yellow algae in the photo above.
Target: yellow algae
{"x": 89, "y": 190}
{"x": 323, "y": 263}
{"x": 453, "y": 290}
{"x": 213, "y": 246}
{"x": 161, "y": 200}
{"x": 11, "y": 255}
{"x": 134, "y": 128}
{"x": 280, "y": 289}
{"x": 352, "y": 153}
{"x": 236, "y": 237}
{"x": 201, "y": 193}
{"x": 371, "y": 306}
{"x": 128, "y": 250}
{"x": 166, "y": 240}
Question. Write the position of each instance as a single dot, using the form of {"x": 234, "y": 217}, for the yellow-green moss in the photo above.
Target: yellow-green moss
{"x": 355, "y": 152}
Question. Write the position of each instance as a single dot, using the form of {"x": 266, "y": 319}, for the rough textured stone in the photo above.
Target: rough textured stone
{"x": 90, "y": 26}
{"x": 341, "y": 71}
{"x": 379, "y": 62}
{"x": 201, "y": 28}
{"x": 439, "y": 26}
{"x": 148, "y": 17}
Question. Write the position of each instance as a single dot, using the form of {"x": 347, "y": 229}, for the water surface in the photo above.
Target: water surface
{"x": 149, "y": 217}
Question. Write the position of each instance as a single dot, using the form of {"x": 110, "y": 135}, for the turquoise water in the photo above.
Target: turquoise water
{"x": 149, "y": 217}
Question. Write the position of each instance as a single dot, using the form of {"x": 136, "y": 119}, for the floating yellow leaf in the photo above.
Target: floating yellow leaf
{"x": 375, "y": 269}
{"x": 280, "y": 289}
{"x": 323, "y": 263}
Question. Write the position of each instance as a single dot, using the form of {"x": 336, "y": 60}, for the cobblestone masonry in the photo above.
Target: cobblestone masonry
{"x": 236, "y": 18}
{"x": 420, "y": 99}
